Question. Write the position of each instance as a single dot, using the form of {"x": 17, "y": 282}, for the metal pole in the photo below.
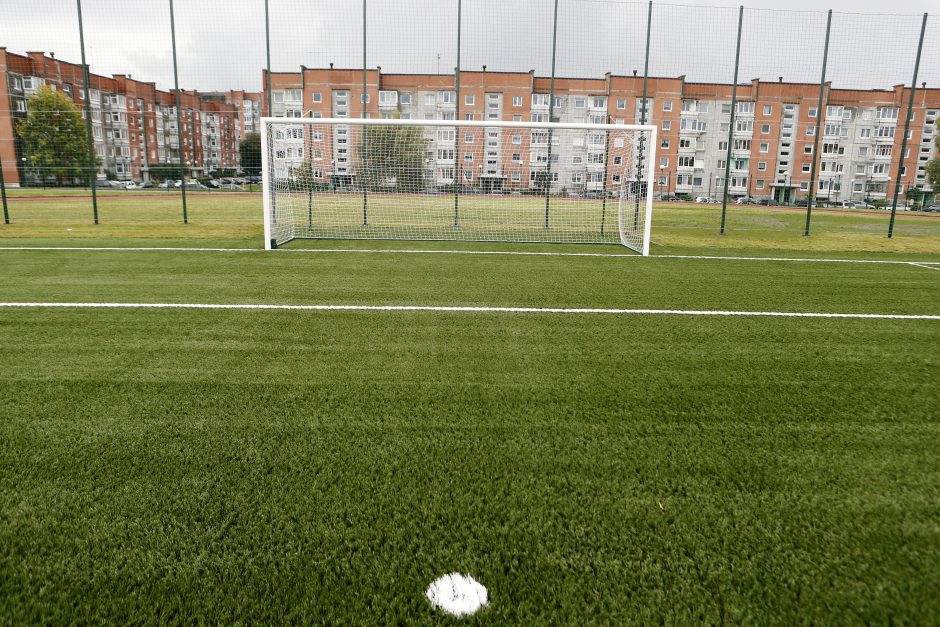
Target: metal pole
{"x": 267, "y": 87}
{"x": 604, "y": 186}
{"x": 907, "y": 127}
{"x": 267, "y": 45}
{"x": 365, "y": 193}
{"x": 641, "y": 153}
{"x": 551, "y": 110}
{"x": 91, "y": 143}
{"x": 820, "y": 128}
{"x": 179, "y": 115}
{"x": 734, "y": 106}
{"x": 459, "y": 182}
{"x": 3, "y": 194}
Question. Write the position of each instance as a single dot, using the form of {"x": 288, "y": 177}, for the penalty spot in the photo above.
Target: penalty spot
{"x": 458, "y": 595}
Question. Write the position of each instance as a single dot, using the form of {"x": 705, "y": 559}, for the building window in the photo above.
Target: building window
{"x": 539, "y": 100}
{"x": 405, "y": 98}
{"x": 388, "y": 98}
{"x": 469, "y": 99}
{"x": 667, "y": 125}
{"x": 580, "y": 102}
{"x": 517, "y": 101}
{"x": 664, "y": 162}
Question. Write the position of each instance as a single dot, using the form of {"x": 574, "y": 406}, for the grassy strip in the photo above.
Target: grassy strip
{"x": 525, "y": 281}
{"x": 155, "y": 216}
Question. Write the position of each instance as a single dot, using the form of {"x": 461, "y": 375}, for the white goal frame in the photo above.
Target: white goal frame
{"x": 649, "y": 155}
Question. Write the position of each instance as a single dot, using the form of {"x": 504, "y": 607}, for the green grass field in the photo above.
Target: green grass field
{"x": 278, "y": 466}
{"x": 234, "y": 220}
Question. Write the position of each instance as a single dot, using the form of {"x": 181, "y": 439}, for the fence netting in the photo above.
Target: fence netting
{"x": 818, "y": 134}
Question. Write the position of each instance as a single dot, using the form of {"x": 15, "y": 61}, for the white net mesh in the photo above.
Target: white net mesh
{"x": 437, "y": 180}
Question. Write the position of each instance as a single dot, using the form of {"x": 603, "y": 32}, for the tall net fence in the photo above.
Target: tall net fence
{"x": 772, "y": 124}
{"x": 394, "y": 179}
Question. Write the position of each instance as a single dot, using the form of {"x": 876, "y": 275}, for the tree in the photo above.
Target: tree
{"x": 933, "y": 168}
{"x": 54, "y": 138}
{"x": 392, "y": 158}
{"x": 249, "y": 151}
{"x": 166, "y": 171}
{"x": 303, "y": 177}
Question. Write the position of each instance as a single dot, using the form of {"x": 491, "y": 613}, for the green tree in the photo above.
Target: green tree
{"x": 164, "y": 171}
{"x": 303, "y": 178}
{"x": 54, "y": 138}
{"x": 249, "y": 151}
{"x": 392, "y": 158}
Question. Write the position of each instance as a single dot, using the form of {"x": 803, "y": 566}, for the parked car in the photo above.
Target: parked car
{"x": 931, "y": 209}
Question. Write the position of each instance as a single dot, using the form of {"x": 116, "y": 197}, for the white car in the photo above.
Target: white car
{"x": 704, "y": 199}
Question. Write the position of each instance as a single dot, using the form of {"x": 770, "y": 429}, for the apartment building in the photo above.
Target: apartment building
{"x": 772, "y": 143}
{"x": 134, "y": 124}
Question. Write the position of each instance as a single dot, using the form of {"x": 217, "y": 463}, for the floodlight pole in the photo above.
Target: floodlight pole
{"x": 734, "y": 105}
{"x": 91, "y": 144}
{"x": 179, "y": 113}
{"x": 820, "y": 128}
{"x": 907, "y": 127}
{"x": 551, "y": 110}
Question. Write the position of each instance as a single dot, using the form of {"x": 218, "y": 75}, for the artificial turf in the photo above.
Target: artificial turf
{"x": 234, "y": 219}
{"x": 324, "y": 467}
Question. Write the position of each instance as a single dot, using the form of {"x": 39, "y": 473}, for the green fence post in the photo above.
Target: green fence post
{"x": 3, "y": 195}
{"x": 459, "y": 183}
{"x": 362, "y": 178}
{"x": 179, "y": 115}
{"x": 91, "y": 144}
{"x": 641, "y": 156}
{"x": 551, "y": 110}
{"x": 820, "y": 127}
{"x": 907, "y": 127}
{"x": 734, "y": 106}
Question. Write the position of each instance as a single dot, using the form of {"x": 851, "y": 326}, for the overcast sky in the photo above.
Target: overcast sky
{"x": 220, "y": 43}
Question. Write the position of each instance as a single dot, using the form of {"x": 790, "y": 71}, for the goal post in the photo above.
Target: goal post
{"x": 408, "y": 179}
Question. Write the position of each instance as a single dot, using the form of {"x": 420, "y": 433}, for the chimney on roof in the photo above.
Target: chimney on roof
{"x": 780, "y": 79}
{"x": 634, "y": 73}
{"x": 484, "y": 68}
{"x": 52, "y": 55}
{"x": 923, "y": 85}
{"x": 331, "y": 65}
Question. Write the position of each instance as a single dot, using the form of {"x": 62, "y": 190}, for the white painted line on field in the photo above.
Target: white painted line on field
{"x": 412, "y": 251}
{"x": 452, "y": 309}
{"x": 138, "y": 249}
{"x": 923, "y": 265}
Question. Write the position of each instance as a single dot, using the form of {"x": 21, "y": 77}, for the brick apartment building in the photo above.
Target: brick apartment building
{"x": 772, "y": 143}
{"x": 133, "y": 122}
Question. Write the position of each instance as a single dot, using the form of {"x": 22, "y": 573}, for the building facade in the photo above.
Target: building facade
{"x": 134, "y": 124}
{"x": 772, "y": 143}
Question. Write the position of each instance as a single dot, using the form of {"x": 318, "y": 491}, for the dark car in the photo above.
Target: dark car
{"x": 931, "y": 209}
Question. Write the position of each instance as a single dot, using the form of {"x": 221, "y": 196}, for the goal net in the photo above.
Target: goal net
{"x": 343, "y": 178}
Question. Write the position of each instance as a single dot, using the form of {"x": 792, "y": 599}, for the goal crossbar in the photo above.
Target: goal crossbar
{"x": 471, "y": 180}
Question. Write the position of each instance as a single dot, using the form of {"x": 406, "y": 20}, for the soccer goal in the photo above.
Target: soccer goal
{"x": 342, "y": 178}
